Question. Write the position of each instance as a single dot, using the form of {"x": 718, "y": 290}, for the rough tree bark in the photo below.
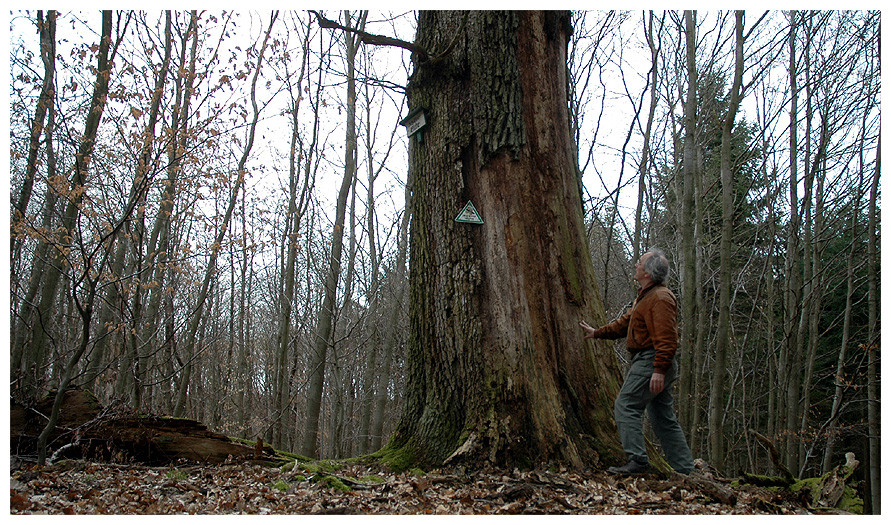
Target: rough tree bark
{"x": 497, "y": 370}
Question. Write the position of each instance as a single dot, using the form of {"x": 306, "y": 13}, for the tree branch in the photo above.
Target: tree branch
{"x": 369, "y": 38}
{"x": 774, "y": 456}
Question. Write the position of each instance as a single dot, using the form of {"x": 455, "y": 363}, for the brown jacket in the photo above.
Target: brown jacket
{"x": 650, "y": 323}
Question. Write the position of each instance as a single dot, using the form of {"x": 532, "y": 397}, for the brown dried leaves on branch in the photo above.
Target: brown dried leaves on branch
{"x": 78, "y": 487}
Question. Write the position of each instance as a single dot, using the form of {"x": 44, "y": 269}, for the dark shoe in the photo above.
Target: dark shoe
{"x": 632, "y": 467}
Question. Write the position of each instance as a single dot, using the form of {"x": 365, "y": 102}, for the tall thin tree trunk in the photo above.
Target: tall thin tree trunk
{"x": 46, "y": 28}
{"x": 645, "y": 153}
{"x": 293, "y": 222}
{"x": 794, "y": 408}
{"x": 792, "y": 293}
{"x": 310, "y": 445}
{"x": 815, "y": 248}
{"x": 21, "y": 327}
{"x": 39, "y": 319}
{"x": 722, "y": 345}
{"x": 838, "y": 378}
{"x": 371, "y": 362}
{"x": 687, "y": 183}
{"x": 773, "y": 359}
{"x": 243, "y": 376}
{"x": 209, "y": 272}
{"x": 159, "y": 243}
{"x": 873, "y": 344}
{"x": 144, "y": 163}
{"x": 340, "y": 373}
{"x": 382, "y": 385}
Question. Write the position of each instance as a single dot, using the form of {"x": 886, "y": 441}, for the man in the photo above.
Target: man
{"x": 650, "y": 327}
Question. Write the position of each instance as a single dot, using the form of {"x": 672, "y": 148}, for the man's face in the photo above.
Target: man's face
{"x": 639, "y": 272}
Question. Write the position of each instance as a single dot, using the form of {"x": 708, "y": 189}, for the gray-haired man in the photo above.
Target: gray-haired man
{"x": 650, "y": 327}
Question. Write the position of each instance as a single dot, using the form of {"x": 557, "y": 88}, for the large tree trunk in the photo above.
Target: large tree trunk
{"x": 497, "y": 369}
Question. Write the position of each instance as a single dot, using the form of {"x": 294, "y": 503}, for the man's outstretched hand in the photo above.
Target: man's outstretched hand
{"x": 590, "y": 332}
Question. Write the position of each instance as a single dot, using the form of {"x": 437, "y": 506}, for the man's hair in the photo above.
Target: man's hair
{"x": 657, "y": 266}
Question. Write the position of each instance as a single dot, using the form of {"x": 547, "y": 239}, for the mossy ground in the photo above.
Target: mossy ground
{"x": 333, "y": 482}
{"x": 281, "y": 485}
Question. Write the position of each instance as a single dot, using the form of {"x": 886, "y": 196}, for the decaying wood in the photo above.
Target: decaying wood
{"x": 86, "y": 429}
{"x": 834, "y": 483}
{"x": 713, "y": 488}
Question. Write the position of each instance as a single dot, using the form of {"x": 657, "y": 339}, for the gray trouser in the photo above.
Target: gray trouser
{"x": 633, "y": 398}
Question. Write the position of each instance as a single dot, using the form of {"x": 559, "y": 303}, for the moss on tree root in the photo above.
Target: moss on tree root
{"x": 397, "y": 458}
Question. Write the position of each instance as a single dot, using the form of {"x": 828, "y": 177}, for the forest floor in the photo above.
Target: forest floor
{"x": 83, "y": 487}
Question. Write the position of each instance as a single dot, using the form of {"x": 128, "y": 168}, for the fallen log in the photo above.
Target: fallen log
{"x": 88, "y": 430}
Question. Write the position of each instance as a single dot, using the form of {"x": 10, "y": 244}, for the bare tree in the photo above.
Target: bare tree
{"x": 87, "y": 281}
{"x": 322, "y": 333}
{"x": 719, "y": 371}
{"x": 298, "y": 202}
{"x": 46, "y": 28}
{"x": 144, "y": 164}
{"x": 240, "y": 173}
{"x": 873, "y": 415}
{"x": 686, "y": 220}
{"x": 37, "y": 319}
{"x": 792, "y": 292}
